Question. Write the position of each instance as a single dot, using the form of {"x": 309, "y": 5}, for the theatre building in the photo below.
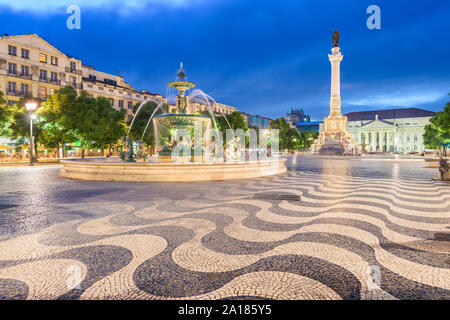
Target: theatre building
{"x": 394, "y": 130}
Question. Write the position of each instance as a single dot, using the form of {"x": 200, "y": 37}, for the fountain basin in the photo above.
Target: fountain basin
{"x": 101, "y": 170}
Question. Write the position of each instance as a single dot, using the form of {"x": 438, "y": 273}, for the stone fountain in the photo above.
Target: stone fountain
{"x": 184, "y": 154}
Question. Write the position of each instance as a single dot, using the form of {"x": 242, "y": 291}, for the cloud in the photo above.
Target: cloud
{"x": 52, "y": 6}
{"x": 406, "y": 97}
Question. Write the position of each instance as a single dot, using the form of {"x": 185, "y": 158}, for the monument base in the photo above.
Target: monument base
{"x": 341, "y": 143}
{"x": 332, "y": 148}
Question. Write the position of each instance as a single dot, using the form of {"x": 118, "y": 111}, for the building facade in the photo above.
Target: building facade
{"x": 29, "y": 65}
{"x": 256, "y": 121}
{"x": 217, "y": 108}
{"x": 296, "y": 116}
{"x": 395, "y": 130}
{"x": 309, "y": 126}
{"x": 113, "y": 87}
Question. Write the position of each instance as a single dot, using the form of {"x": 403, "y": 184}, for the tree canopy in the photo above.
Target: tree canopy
{"x": 437, "y": 133}
{"x": 6, "y": 117}
{"x": 141, "y": 122}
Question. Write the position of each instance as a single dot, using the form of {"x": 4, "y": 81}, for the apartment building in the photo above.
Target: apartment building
{"x": 217, "y": 108}
{"x": 113, "y": 87}
{"x": 29, "y": 65}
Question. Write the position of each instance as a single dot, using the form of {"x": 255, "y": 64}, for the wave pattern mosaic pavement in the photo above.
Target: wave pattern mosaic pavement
{"x": 350, "y": 236}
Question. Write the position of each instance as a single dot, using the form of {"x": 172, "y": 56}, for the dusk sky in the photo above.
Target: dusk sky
{"x": 264, "y": 57}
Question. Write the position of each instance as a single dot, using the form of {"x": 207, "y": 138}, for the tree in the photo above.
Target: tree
{"x": 54, "y": 134}
{"x": 20, "y": 126}
{"x": 283, "y": 128}
{"x": 141, "y": 122}
{"x": 6, "y": 117}
{"x": 437, "y": 133}
{"x": 109, "y": 124}
{"x": 308, "y": 138}
{"x": 94, "y": 122}
{"x": 235, "y": 120}
{"x": 292, "y": 139}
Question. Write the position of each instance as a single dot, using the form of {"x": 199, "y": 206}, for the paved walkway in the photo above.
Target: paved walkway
{"x": 328, "y": 229}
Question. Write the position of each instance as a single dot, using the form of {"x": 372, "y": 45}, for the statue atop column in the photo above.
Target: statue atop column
{"x": 335, "y": 38}
{"x": 333, "y": 137}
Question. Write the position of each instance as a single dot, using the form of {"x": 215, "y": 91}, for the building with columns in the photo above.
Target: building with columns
{"x": 394, "y": 130}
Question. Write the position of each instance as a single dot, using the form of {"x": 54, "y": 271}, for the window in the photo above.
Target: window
{"x": 43, "y": 74}
{"x": 11, "y": 87}
{"x": 12, "y": 50}
{"x": 415, "y": 138}
{"x": 43, "y": 57}
{"x": 73, "y": 81}
{"x": 25, "y": 53}
{"x": 100, "y": 88}
{"x": 73, "y": 66}
{"x": 110, "y": 82}
{"x": 24, "y": 88}
{"x": 112, "y": 102}
{"x": 42, "y": 92}
{"x": 54, "y": 61}
{"x": 25, "y": 71}
{"x": 89, "y": 85}
{"x": 111, "y": 90}
{"x": 54, "y": 77}
{"x": 92, "y": 77}
{"x": 130, "y": 105}
{"x": 12, "y": 68}
{"x": 415, "y": 148}
{"x": 407, "y": 139}
{"x": 120, "y": 103}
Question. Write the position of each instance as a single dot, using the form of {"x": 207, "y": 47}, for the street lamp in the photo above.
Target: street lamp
{"x": 31, "y": 107}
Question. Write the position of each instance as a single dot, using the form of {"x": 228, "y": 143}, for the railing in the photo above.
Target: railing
{"x": 26, "y": 76}
{"x": 75, "y": 85}
{"x": 21, "y": 75}
{"x": 73, "y": 71}
{"x": 17, "y": 93}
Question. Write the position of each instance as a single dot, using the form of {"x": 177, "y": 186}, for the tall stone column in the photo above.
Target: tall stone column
{"x": 335, "y": 99}
{"x": 335, "y": 139}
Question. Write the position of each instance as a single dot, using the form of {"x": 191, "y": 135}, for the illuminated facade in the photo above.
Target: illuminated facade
{"x": 395, "y": 130}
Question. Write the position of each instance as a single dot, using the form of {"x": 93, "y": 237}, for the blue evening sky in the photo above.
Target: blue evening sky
{"x": 263, "y": 57}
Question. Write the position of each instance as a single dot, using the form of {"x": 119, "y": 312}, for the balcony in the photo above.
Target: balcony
{"x": 73, "y": 70}
{"x": 26, "y": 76}
{"x": 75, "y": 85}
{"x": 17, "y": 93}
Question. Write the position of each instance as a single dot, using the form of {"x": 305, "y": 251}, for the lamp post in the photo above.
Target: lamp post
{"x": 31, "y": 107}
